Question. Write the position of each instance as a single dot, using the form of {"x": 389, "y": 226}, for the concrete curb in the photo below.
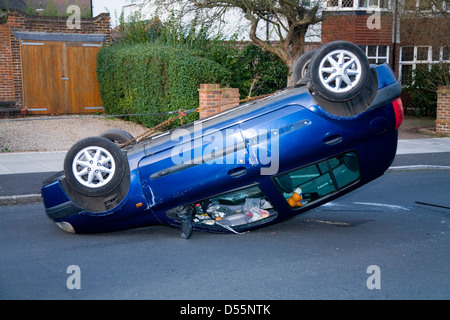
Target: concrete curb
{"x": 417, "y": 167}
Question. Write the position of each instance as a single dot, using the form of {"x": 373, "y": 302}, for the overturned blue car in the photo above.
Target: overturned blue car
{"x": 248, "y": 167}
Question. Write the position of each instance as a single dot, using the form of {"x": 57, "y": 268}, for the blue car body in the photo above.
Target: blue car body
{"x": 264, "y": 149}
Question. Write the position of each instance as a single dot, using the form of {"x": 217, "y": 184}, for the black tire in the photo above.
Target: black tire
{"x": 339, "y": 71}
{"x": 300, "y": 73}
{"x": 94, "y": 166}
{"x": 117, "y": 136}
{"x": 355, "y": 106}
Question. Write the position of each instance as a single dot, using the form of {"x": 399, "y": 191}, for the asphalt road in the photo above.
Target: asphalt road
{"x": 378, "y": 236}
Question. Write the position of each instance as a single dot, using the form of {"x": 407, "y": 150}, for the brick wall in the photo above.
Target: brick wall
{"x": 6, "y": 74}
{"x": 19, "y": 21}
{"x": 214, "y": 99}
{"x": 353, "y": 27}
{"x": 443, "y": 111}
{"x": 425, "y": 31}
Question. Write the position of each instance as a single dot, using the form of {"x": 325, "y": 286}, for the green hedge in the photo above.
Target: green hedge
{"x": 147, "y": 78}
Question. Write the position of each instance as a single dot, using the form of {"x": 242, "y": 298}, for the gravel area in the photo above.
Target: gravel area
{"x": 60, "y": 133}
{"x": 56, "y": 133}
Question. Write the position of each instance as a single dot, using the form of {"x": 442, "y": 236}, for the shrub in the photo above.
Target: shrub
{"x": 259, "y": 72}
{"x": 144, "y": 78}
{"x": 423, "y": 86}
{"x": 156, "y": 67}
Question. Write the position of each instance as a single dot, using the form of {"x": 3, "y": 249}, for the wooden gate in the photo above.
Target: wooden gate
{"x": 60, "y": 77}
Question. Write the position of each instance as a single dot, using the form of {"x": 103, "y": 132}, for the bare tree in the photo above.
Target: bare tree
{"x": 284, "y": 21}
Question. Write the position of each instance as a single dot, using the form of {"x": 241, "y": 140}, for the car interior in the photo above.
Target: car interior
{"x": 318, "y": 180}
{"x": 300, "y": 187}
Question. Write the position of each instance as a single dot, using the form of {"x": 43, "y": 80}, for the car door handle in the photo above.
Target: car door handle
{"x": 332, "y": 140}
{"x": 237, "y": 172}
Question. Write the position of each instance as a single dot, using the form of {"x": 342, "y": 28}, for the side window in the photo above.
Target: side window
{"x": 302, "y": 186}
{"x": 347, "y": 171}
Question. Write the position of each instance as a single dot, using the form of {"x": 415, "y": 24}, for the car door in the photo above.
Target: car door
{"x": 200, "y": 164}
{"x": 289, "y": 137}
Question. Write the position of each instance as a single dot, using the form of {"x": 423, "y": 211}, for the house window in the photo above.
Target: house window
{"x": 423, "y": 54}
{"x": 414, "y": 58}
{"x": 347, "y": 3}
{"x": 340, "y": 3}
{"x": 332, "y": 3}
{"x": 445, "y": 54}
{"x": 358, "y": 4}
{"x": 376, "y": 54}
{"x": 406, "y": 73}
{"x": 407, "y": 54}
{"x": 383, "y": 4}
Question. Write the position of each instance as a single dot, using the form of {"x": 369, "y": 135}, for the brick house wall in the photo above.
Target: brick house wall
{"x": 6, "y": 70}
{"x": 425, "y": 31}
{"x": 415, "y": 38}
{"x": 353, "y": 26}
{"x": 19, "y": 21}
{"x": 413, "y": 30}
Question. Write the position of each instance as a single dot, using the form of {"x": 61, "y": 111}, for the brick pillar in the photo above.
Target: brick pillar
{"x": 443, "y": 110}
{"x": 214, "y": 99}
{"x": 6, "y": 66}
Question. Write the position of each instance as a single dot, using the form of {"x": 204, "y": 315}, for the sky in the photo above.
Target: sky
{"x": 114, "y": 7}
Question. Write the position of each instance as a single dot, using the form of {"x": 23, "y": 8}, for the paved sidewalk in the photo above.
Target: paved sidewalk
{"x": 28, "y": 162}
{"x": 417, "y": 146}
{"x": 31, "y": 162}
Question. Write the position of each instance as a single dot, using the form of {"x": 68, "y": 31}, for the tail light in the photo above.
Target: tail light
{"x": 397, "y": 104}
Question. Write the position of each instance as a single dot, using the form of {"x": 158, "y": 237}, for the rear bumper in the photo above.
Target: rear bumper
{"x": 386, "y": 95}
{"x": 56, "y": 202}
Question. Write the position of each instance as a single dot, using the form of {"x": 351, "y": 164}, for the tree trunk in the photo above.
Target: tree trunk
{"x": 294, "y": 47}
{"x": 290, "y": 78}
{"x": 290, "y": 19}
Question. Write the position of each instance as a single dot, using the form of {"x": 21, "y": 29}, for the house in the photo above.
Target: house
{"x": 406, "y": 34}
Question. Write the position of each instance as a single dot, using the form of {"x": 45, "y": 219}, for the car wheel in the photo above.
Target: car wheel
{"x": 94, "y": 166}
{"x": 117, "y": 136}
{"x": 301, "y": 68}
{"x": 339, "y": 71}
{"x": 354, "y": 106}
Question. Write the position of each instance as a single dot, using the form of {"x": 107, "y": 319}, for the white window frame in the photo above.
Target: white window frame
{"x": 370, "y": 4}
{"x": 377, "y": 56}
{"x": 414, "y": 62}
{"x": 356, "y": 6}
